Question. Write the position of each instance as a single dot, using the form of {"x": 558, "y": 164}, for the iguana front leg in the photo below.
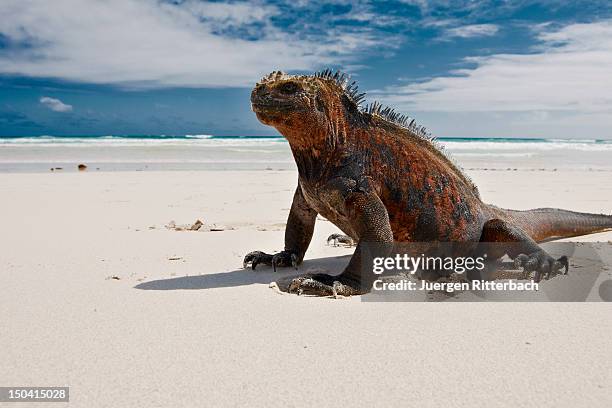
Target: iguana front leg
{"x": 298, "y": 233}
{"x": 370, "y": 219}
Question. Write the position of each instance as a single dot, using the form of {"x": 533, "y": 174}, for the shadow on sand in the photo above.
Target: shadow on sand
{"x": 240, "y": 277}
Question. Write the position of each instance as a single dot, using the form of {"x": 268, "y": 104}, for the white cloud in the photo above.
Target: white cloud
{"x": 471, "y": 31}
{"x": 147, "y": 43}
{"x": 55, "y": 104}
{"x": 569, "y": 72}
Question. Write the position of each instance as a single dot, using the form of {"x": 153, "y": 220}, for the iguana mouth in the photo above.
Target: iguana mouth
{"x": 270, "y": 106}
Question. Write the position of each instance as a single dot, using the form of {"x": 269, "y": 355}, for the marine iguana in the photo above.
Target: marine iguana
{"x": 381, "y": 178}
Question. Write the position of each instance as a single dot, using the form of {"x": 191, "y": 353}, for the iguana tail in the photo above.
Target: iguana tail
{"x": 547, "y": 224}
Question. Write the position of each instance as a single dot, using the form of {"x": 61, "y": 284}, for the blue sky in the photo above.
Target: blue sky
{"x": 462, "y": 68}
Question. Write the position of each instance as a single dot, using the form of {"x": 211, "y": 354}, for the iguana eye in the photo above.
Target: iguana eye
{"x": 289, "y": 88}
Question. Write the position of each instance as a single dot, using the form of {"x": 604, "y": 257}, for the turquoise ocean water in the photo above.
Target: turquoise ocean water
{"x": 206, "y": 152}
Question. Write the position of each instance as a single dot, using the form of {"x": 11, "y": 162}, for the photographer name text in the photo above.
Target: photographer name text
{"x": 409, "y": 285}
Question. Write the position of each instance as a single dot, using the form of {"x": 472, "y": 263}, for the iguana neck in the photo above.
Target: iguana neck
{"x": 311, "y": 152}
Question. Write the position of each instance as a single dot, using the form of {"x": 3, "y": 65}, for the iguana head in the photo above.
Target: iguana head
{"x": 299, "y": 105}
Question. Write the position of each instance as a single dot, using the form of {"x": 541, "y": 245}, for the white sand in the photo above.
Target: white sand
{"x": 231, "y": 340}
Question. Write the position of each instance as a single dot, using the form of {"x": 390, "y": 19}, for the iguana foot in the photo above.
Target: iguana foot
{"x": 321, "y": 284}
{"x": 542, "y": 264}
{"x": 283, "y": 258}
{"x": 336, "y": 239}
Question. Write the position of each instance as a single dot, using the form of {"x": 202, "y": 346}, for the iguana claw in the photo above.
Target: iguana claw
{"x": 255, "y": 258}
{"x": 321, "y": 285}
{"x": 283, "y": 258}
{"x": 336, "y": 239}
{"x": 542, "y": 264}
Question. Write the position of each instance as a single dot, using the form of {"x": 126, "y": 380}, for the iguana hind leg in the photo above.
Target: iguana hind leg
{"x": 525, "y": 252}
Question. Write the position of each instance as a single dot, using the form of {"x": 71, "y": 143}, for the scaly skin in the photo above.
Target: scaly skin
{"x": 381, "y": 181}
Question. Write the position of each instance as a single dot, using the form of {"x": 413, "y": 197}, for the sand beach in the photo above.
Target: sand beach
{"x": 98, "y": 295}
